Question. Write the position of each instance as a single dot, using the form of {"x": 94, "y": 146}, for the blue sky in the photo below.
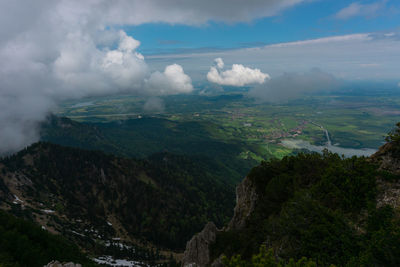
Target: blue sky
{"x": 308, "y": 20}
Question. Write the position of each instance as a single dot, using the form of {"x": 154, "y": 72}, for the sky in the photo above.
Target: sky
{"x": 57, "y": 50}
{"x": 306, "y": 20}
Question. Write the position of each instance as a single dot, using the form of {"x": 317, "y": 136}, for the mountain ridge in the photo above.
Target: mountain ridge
{"x": 349, "y": 205}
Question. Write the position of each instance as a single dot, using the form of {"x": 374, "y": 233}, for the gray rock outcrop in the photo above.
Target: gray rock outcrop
{"x": 246, "y": 197}
{"x": 197, "y": 253}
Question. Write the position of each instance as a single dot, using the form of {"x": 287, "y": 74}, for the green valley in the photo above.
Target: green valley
{"x": 353, "y": 121}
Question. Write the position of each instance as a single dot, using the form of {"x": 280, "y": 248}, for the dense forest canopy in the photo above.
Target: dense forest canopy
{"x": 23, "y": 243}
{"x": 323, "y": 207}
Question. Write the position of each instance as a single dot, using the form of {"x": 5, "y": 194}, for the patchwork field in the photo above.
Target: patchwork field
{"x": 352, "y": 121}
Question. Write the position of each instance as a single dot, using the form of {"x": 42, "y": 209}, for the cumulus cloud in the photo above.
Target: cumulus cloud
{"x": 172, "y": 81}
{"x": 292, "y": 85}
{"x": 219, "y": 62}
{"x": 357, "y": 9}
{"x": 238, "y": 75}
{"x": 82, "y": 69}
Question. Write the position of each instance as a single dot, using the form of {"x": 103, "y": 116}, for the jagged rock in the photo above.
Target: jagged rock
{"x": 246, "y": 197}
{"x": 64, "y": 264}
{"x": 197, "y": 253}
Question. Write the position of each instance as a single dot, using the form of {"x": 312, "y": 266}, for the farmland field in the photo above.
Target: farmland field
{"x": 353, "y": 121}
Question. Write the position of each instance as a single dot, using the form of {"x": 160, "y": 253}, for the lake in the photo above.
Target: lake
{"x": 347, "y": 152}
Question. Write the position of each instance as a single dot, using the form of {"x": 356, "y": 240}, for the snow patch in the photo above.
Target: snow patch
{"x": 74, "y": 232}
{"x": 110, "y": 261}
{"x": 117, "y": 244}
{"x": 17, "y": 200}
{"x": 48, "y": 211}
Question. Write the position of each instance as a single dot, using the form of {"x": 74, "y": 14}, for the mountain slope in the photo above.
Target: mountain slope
{"x": 323, "y": 207}
{"x": 23, "y": 243}
{"x": 93, "y": 197}
{"x": 140, "y": 138}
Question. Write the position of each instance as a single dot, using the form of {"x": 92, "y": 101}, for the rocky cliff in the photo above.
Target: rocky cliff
{"x": 197, "y": 253}
{"x": 246, "y": 197}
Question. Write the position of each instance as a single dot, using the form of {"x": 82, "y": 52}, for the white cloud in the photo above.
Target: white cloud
{"x": 357, "y": 9}
{"x": 341, "y": 56}
{"x": 172, "y": 81}
{"x": 127, "y": 43}
{"x": 238, "y": 75}
{"x": 326, "y": 40}
{"x": 219, "y": 62}
{"x": 83, "y": 69}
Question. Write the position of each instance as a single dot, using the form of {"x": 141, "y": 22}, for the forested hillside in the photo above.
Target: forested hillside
{"x": 309, "y": 208}
{"x": 141, "y": 138}
{"x": 23, "y": 243}
{"x": 329, "y": 209}
{"x": 164, "y": 199}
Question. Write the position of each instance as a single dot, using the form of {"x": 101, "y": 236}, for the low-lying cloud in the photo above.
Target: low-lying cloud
{"x": 65, "y": 50}
{"x": 238, "y": 75}
{"x": 293, "y": 85}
